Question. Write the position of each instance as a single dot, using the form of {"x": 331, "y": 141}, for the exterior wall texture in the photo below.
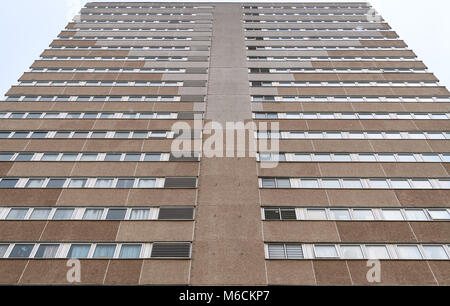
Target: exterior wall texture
{"x": 88, "y": 169}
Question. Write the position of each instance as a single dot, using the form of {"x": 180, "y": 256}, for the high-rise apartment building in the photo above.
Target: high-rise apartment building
{"x": 94, "y": 190}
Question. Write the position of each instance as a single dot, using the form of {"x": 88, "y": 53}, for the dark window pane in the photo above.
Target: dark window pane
{"x": 56, "y": 183}
{"x": 8, "y": 183}
{"x": 21, "y": 251}
{"x": 132, "y": 157}
{"x": 272, "y": 214}
{"x": 116, "y": 214}
{"x": 125, "y": 183}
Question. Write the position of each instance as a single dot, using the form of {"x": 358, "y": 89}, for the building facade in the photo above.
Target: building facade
{"x": 101, "y": 184}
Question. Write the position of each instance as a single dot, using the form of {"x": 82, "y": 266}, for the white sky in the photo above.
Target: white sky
{"x": 28, "y": 26}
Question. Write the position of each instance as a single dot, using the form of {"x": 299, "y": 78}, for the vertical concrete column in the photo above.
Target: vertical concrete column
{"x": 228, "y": 248}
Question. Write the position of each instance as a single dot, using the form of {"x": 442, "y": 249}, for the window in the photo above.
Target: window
{"x": 146, "y": 183}
{"x": 309, "y": 183}
{"x": 125, "y": 183}
{"x": 139, "y": 214}
{"x": 377, "y": 252}
{"x": 363, "y": 214}
{"x": 3, "y": 249}
{"x": 351, "y": 183}
{"x": 439, "y": 214}
{"x": 351, "y": 252}
{"x": 93, "y": 214}
{"x": 330, "y": 183}
{"x": 56, "y": 183}
{"x": 415, "y": 215}
{"x": 77, "y": 183}
{"x": 400, "y": 184}
{"x": 104, "y": 183}
{"x": 433, "y": 252}
{"x": 340, "y": 214}
{"x": 325, "y": 251}
{"x": 17, "y": 214}
{"x": 130, "y": 251}
{"x": 316, "y": 214}
{"x": 379, "y": 184}
{"x": 79, "y": 251}
{"x": 104, "y": 251}
{"x": 392, "y": 214}
{"x": 63, "y": 213}
{"x": 40, "y": 214}
{"x": 421, "y": 184}
{"x": 8, "y": 183}
{"x": 35, "y": 183}
{"x": 47, "y": 251}
{"x": 408, "y": 252}
{"x": 116, "y": 214}
{"x": 21, "y": 251}
{"x": 276, "y": 251}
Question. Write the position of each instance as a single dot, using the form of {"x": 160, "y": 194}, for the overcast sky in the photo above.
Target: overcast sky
{"x": 28, "y": 27}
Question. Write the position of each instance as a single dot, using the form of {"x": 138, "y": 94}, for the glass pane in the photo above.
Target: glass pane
{"x": 415, "y": 214}
{"x": 146, "y": 183}
{"x": 408, "y": 252}
{"x": 294, "y": 251}
{"x": 113, "y": 157}
{"x": 268, "y": 183}
{"x": 21, "y": 251}
{"x": 342, "y": 157}
{"x": 93, "y": 214}
{"x": 3, "y": 249}
{"x": 139, "y": 214}
{"x": 130, "y": 251}
{"x": 351, "y": 252}
{"x": 316, "y": 214}
{"x": 17, "y": 214}
{"x": 35, "y": 183}
{"x": 77, "y": 183}
{"x": 49, "y": 157}
{"x": 367, "y": 157}
{"x": 340, "y": 214}
{"x": 303, "y": 157}
{"x": 431, "y": 158}
{"x": 46, "y": 251}
{"x": 69, "y": 157}
{"x": 406, "y": 157}
{"x": 63, "y": 214}
{"x": 56, "y": 183}
{"x": 104, "y": 183}
{"x": 116, "y": 214}
{"x": 283, "y": 183}
{"x": 88, "y": 157}
{"x": 79, "y": 251}
{"x": 347, "y": 183}
{"x": 392, "y": 214}
{"x": 433, "y": 252}
{"x": 439, "y": 214}
{"x": 377, "y": 252}
{"x": 132, "y": 157}
{"x": 309, "y": 183}
{"x": 325, "y": 251}
{"x": 104, "y": 251}
{"x": 125, "y": 183}
{"x": 400, "y": 184}
{"x": 421, "y": 184}
{"x": 386, "y": 157}
{"x": 6, "y": 156}
{"x": 379, "y": 184}
{"x": 8, "y": 183}
{"x": 330, "y": 183}
{"x": 40, "y": 214}
{"x": 322, "y": 157}
{"x": 152, "y": 157}
{"x": 362, "y": 214}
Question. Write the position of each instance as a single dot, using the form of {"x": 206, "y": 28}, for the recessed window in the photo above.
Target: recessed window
{"x": 104, "y": 183}
{"x": 125, "y": 183}
{"x": 351, "y": 252}
{"x": 316, "y": 214}
{"x": 392, "y": 214}
{"x": 35, "y": 183}
{"x": 379, "y": 184}
{"x": 325, "y": 251}
{"x": 56, "y": 183}
{"x": 17, "y": 214}
{"x": 439, "y": 214}
{"x": 363, "y": 214}
{"x": 6, "y": 156}
{"x": 93, "y": 214}
{"x": 139, "y": 214}
{"x": 409, "y": 252}
{"x": 40, "y": 214}
{"x": 377, "y": 252}
{"x": 77, "y": 183}
{"x": 415, "y": 215}
{"x": 130, "y": 251}
{"x": 79, "y": 251}
{"x": 47, "y": 251}
{"x": 21, "y": 251}
{"x": 3, "y": 249}
{"x": 351, "y": 183}
{"x": 116, "y": 214}
{"x": 433, "y": 252}
{"x": 104, "y": 251}
{"x": 63, "y": 214}
{"x": 340, "y": 214}
{"x": 146, "y": 183}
